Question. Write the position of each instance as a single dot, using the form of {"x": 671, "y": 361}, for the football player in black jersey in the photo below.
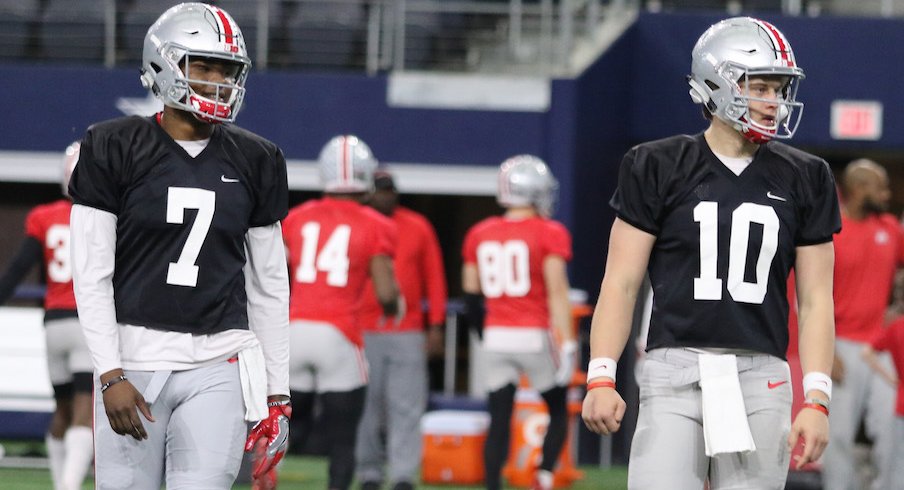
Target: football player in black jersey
{"x": 180, "y": 271}
{"x": 718, "y": 220}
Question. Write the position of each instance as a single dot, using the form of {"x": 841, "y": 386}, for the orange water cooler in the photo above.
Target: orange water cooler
{"x": 529, "y": 421}
{"x": 453, "y": 446}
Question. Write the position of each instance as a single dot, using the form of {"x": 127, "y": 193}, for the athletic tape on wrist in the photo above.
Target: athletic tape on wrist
{"x": 819, "y": 382}
{"x": 601, "y": 367}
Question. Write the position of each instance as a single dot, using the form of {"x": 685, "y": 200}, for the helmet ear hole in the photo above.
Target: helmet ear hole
{"x": 698, "y": 93}
{"x": 148, "y": 79}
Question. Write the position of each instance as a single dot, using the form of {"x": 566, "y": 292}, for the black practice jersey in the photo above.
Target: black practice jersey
{"x": 181, "y": 221}
{"x": 725, "y": 243}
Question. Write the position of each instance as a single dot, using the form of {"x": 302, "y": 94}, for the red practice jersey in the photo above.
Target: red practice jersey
{"x": 419, "y": 271}
{"x": 49, "y": 225}
{"x": 891, "y": 339}
{"x": 866, "y": 255}
{"x": 330, "y": 243}
{"x": 509, "y": 256}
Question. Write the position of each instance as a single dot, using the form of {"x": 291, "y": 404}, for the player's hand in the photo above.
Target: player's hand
{"x": 401, "y": 311}
{"x": 603, "y": 410}
{"x": 812, "y": 427}
{"x": 567, "y": 361}
{"x": 397, "y": 317}
{"x": 274, "y": 433}
{"x": 120, "y": 403}
{"x": 435, "y": 347}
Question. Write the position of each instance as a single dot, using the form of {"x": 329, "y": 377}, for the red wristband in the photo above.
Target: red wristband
{"x": 817, "y": 406}
{"x": 601, "y": 384}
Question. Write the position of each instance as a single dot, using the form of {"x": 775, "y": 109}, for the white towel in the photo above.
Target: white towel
{"x": 155, "y": 386}
{"x": 253, "y": 373}
{"x": 725, "y": 427}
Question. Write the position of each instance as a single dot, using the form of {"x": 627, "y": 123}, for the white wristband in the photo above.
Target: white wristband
{"x": 601, "y": 367}
{"x": 819, "y": 382}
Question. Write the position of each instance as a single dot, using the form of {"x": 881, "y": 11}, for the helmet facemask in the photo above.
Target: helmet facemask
{"x": 738, "y": 112}
{"x": 222, "y": 104}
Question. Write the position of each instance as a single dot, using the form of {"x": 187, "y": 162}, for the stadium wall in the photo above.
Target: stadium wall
{"x": 634, "y": 92}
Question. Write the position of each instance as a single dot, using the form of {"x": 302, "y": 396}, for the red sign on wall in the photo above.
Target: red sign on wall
{"x": 856, "y": 120}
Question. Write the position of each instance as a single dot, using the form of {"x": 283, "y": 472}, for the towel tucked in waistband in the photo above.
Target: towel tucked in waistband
{"x": 725, "y": 427}
{"x": 253, "y": 373}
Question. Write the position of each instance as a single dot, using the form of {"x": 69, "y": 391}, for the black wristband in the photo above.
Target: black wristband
{"x": 279, "y": 403}
{"x": 112, "y": 382}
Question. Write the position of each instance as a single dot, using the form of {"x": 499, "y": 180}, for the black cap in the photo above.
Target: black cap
{"x": 383, "y": 181}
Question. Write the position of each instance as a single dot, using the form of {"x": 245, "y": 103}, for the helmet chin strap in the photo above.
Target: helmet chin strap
{"x": 760, "y": 136}
{"x": 756, "y": 137}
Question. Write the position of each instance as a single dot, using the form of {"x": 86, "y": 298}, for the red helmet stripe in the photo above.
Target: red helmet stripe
{"x": 345, "y": 162}
{"x": 227, "y": 26}
{"x": 780, "y": 43}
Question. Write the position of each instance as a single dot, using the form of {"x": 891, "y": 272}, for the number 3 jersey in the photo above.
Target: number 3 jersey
{"x": 48, "y": 224}
{"x": 181, "y": 221}
{"x": 330, "y": 244}
{"x": 509, "y": 255}
{"x": 725, "y": 243}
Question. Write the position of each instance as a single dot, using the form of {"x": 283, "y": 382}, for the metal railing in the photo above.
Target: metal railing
{"x": 365, "y": 35}
{"x": 496, "y": 35}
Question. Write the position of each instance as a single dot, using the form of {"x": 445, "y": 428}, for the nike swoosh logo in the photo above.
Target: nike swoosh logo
{"x": 770, "y": 195}
{"x": 773, "y": 386}
{"x": 227, "y": 179}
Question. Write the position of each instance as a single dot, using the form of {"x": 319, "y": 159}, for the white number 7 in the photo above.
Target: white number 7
{"x": 184, "y": 272}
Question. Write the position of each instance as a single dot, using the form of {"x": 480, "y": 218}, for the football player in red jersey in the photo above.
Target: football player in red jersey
{"x": 335, "y": 245}
{"x": 70, "y": 441}
{"x": 868, "y": 250}
{"x": 395, "y": 349}
{"x": 718, "y": 220}
{"x": 516, "y": 263}
{"x": 179, "y": 269}
{"x": 890, "y": 340}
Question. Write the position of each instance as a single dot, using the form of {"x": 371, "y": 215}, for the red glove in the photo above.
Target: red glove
{"x": 274, "y": 430}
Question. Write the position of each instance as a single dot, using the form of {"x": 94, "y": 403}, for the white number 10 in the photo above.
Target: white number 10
{"x": 708, "y": 286}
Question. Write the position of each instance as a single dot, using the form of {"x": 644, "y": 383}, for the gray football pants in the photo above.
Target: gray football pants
{"x": 396, "y": 400}
{"x": 195, "y": 442}
{"x": 668, "y": 449}
{"x": 898, "y": 450}
{"x": 861, "y": 394}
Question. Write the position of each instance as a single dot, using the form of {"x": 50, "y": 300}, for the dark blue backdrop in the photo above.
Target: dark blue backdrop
{"x": 634, "y": 92}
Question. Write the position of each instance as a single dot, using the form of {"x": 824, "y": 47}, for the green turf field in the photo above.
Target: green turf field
{"x": 306, "y": 473}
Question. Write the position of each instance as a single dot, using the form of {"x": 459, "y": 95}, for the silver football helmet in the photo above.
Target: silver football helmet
{"x": 524, "y": 180}
{"x": 70, "y": 158}
{"x": 188, "y": 31}
{"x": 726, "y": 57}
{"x": 347, "y": 165}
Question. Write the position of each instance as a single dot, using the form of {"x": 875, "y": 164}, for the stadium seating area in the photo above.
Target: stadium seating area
{"x": 298, "y": 34}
